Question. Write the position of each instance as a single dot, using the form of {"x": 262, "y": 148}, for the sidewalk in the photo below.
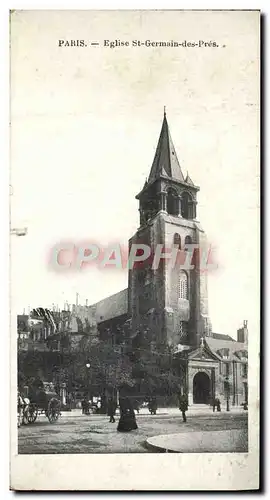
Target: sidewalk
{"x": 228, "y": 441}
{"x": 193, "y": 410}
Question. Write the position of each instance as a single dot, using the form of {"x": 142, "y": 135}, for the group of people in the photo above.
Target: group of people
{"x": 127, "y": 421}
{"x": 86, "y": 405}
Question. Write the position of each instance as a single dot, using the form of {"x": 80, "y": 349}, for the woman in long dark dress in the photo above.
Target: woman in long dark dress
{"x": 127, "y": 421}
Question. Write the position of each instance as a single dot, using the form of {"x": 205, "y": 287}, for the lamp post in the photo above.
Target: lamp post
{"x": 227, "y": 394}
{"x": 88, "y": 366}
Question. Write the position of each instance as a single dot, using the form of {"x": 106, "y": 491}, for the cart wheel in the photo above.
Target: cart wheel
{"x": 53, "y": 410}
{"x": 31, "y": 414}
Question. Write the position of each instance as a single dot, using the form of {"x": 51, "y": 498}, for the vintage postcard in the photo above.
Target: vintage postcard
{"x": 135, "y": 250}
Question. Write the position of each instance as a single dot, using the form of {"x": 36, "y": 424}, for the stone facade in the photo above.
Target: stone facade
{"x": 211, "y": 375}
{"x": 168, "y": 217}
{"x": 171, "y": 304}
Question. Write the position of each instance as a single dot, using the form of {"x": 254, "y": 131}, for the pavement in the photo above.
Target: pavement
{"x": 224, "y": 441}
{"x": 193, "y": 410}
{"x": 77, "y": 433}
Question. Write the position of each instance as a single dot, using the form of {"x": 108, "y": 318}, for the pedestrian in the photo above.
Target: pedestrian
{"x": 183, "y": 406}
{"x": 20, "y": 409}
{"x": 99, "y": 405}
{"x": 83, "y": 403}
{"x": 216, "y": 404}
{"x": 68, "y": 402}
{"x": 153, "y": 406}
{"x": 127, "y": 421}
{"x": 111, "y": 409}
{"x": 87, "y": 406}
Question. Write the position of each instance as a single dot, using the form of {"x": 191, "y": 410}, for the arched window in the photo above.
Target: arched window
{"x": 182, "y": 330}
{"x": 187, "y": 206}
{"x": 172, "y": 202}
{"x": 188, "y": 240}
{"x": 182, "y": 285}
{"x": 177, "y": 240}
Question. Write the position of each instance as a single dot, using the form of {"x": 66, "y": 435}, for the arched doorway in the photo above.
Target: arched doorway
{"x": 201, "y": 388}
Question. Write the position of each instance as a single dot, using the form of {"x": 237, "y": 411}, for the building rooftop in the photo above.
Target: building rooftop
{"x": 222, "y": 336}
{"x": 111, "y": 307}
{"x": 218, "y": 345}
{"x": 165, "y": 161}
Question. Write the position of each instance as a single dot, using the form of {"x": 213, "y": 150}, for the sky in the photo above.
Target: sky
{"x": 85, "y": 122}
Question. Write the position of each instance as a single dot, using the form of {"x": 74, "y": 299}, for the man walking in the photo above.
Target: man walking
{"x": 83, "y": 404}
{"x": 111, "y": 409}
{"x": 183, "y": 406}
{"x": 153, "y": 406}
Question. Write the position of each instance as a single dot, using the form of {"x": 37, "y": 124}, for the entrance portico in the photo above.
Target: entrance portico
{"x": 203, "y": 371}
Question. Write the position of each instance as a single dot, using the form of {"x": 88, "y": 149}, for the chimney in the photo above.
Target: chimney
{"x": 242, "y": 333}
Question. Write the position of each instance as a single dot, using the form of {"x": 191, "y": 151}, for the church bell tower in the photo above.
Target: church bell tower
{"x": 169, "y": 303}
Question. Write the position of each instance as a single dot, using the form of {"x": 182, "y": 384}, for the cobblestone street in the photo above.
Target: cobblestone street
{"x": 94, "y": 434}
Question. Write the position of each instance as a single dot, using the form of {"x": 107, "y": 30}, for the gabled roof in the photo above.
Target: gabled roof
{"x": 165, "y": 160}
{"x": 203, "y": 353}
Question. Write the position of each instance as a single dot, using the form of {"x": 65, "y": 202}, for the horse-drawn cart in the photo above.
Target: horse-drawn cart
{"x": 42, "y": 400}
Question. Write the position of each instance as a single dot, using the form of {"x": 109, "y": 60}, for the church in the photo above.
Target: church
{"x": 171, "y": 304}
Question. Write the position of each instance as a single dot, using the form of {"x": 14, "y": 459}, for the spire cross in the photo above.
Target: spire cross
{"x": 164, "y": 110}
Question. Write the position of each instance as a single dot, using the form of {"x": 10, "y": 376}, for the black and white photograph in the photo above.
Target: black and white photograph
{"x": 134, "y": 235}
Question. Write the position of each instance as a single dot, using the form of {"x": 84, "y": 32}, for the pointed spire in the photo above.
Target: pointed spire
{"x": 188, "y": 180}
{"x": 165, "y": 160}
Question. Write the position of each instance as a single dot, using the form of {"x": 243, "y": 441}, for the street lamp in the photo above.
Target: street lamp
{"x": 88, "y": 366}
{"x": 227, "y": 394}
